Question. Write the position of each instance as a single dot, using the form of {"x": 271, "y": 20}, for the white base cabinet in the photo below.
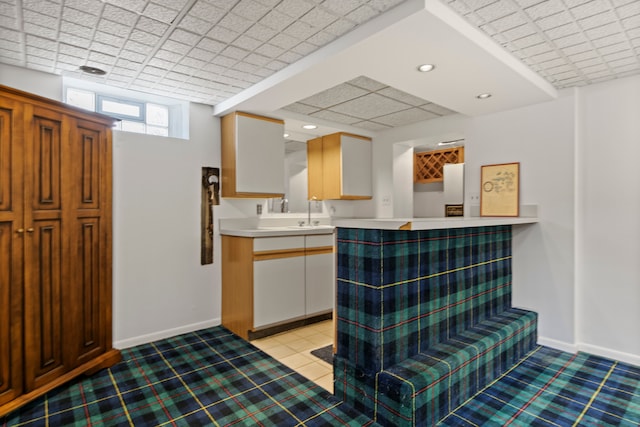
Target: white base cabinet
{"x": 270, "y": 281}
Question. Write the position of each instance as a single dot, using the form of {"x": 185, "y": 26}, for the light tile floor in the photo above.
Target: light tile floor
{"x": 293, "y": 348}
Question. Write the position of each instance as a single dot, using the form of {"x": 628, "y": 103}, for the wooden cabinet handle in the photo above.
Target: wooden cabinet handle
{"x": 30, "y": 230}
{"x": 20, "y": 230}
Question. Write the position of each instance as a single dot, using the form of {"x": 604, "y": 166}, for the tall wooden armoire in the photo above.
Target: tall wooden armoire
{"x": 55, "y": 245}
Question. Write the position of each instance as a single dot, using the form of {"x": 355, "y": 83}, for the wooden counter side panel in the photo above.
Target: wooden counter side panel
{"x": 228, "y": 155}
{"x": 237, "y": 284}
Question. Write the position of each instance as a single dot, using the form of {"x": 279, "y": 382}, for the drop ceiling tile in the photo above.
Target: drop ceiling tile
{"x": 114, "y": 28}
{"x": 562, "y": 31}
{"x": 335, "y": 117}
{"x": 558, "y": 62}
{"x": 509, "y": 22}
{"x": 247, "y": 43}
{"x": 276, "y": 20}
{"x": 186, "y": 37}
{"x": 525, "y": 42}
{"x": 39, "y": 19}
{"x": 372, "y": 126}
{"x": 104, "y": 48}
{"x": 195, "y": 25}
{"x": 7, "y": 35}
{"x": 42, "y": 53}
{"x": 300, "y": 30}
{"x": 301, "y": 108}
{"x": 318, "y": 18}
{"x": 321, "y": 38}
{"x": 235, "y": 23}
{"x": 80, "y": 17}
{"x": 367, "y": 83}
{"x": 369, "y": 106}
{"x": 553, "y": 21}
{"x": 631, "y": 22}
{"x": 44, "y": 68}
{"x": 261, "y": 32}
{"x": 518, "y": 33}
{"x": 246, "y": 67}
{"x": 572, "y": 40}
{"x": 362, "y": 14}
{"x": 276, "y": 65}
{"x": 590, "y": 54}
{"x": 223, "y": 34}
{"x": 290, "y": 57}
{"x": 144, "y": 38}
{"x": 160, "y": 13}
{"x": 166, "y": 55}
{"x": 341, "y": 7}
{"x": 304, "y": 48}
{"x": 208, "y": 11}
{"x": 598, "y": 20}
{"x": 284, "y": 41}
{"x": 235, "y": 52}
{"x": 591, "y": 8}
{"x": 44, "y": 62}
{"x": 110, "y": 39}
{"x": 340, "y": 27}
{"x": 270, "y": 50}
{"x": 335, "y": 95}
{"x": 406, "y": 117}
{"x": 294, "y": 8}
{"x": 615, "y": 48}
{"x": 257, "y": 59}
{"x": 44, "y": 7}
{"x": 544, "y": 9}
{"x": 537, "y": 49}
{"x": 225, "y": 61}
{"x": 630, "y": 9}
{"x": 497, "y": 10}
{"x": 132, "y": 56}
{"x": 250, "y": 10}
{"x": 547, "y": 56}
{"x": 117, "y": 14}
{"x": 401, "y": 96}
{"x": 211, "y": 45}
{"x": 603, "y": 31}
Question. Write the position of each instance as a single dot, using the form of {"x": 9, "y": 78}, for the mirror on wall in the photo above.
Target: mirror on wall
{"x": 295, "y": 186}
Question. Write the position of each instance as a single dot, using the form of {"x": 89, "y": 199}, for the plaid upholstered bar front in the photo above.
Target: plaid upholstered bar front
{"x": 407, "y": 297}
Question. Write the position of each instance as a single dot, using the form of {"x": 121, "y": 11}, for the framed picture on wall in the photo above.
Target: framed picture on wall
{"x": 500, "y": 190}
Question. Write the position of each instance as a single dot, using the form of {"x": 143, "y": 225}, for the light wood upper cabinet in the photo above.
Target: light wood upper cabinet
{"x": 339, "y": 167}
{"x": 252, "y": 156}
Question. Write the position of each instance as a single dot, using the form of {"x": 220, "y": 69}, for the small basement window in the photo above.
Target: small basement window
{"x": 137, "y": 112}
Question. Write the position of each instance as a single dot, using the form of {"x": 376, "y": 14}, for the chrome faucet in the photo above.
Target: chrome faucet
{"x": 312, "y": 199}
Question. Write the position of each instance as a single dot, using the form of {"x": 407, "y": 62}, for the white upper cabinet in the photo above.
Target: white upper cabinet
{"x": 339, "y": 167}
{"x": 252, "y": 156}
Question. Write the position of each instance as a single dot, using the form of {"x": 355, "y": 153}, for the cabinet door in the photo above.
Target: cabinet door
{"x": 320, "y": 283}
{"x": 44, "y": 269}
{"x": 11, "y": 248}
{"x": 314, "y": 169}
{"x": 88, "y": 289}
{"x": 259, "y": 155}
{"x": 279, "y": 290}
{"x": 356, "y": 167}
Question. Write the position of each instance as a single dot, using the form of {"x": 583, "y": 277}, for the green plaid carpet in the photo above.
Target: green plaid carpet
{"x": 213, "y": 378}
{"x": 205, "y": 378}
{"x": 553, "y": 388}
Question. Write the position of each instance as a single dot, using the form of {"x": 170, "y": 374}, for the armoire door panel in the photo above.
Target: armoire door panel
{"x": 87, "y": 295}
{"x": 43, "y": 302}
{"x": 6, "y": 178}
{"x": 88, "y": 155}
{"x": 46, "y": 168}
{"x": 10, "y": 313}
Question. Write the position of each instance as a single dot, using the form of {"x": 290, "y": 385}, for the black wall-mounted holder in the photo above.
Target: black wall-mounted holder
{"x": 210, "y": 196}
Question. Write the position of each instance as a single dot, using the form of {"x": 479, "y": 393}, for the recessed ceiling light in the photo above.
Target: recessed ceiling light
{"x": 425, "y": 68}
{"x": 92, "y": 70}
{"x": 286, "y": 135}
{"x": 484, "y": 96}
{"x": 309, "y": 127}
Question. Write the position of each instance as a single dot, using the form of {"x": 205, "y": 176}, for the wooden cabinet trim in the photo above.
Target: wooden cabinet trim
{"x": 255, "y": 116}
{"x": 278, "y": 253}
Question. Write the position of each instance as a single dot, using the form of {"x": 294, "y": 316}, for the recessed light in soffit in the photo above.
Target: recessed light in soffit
{"x": 425, "y": 68}
{"x": 92, "y": 70}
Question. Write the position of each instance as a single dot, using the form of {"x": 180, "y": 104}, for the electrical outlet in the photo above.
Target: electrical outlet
{"x": 386, "y": 201}
{"x": 259, "y": 209}
{"x": 474, "y": 197}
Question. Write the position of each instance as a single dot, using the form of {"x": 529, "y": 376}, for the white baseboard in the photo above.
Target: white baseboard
{"x": 620, "y": 356}
{"x": 591, "y": 349}
{"x": 558, "y": 345}
{"x": 143, "y": 339}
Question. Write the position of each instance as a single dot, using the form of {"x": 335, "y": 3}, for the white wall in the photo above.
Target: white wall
{"x": 160, "y": 288}
{"x": 541, "y": 137}
{"x": 608, "y": 246}
{"x": 43, "y": 84}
